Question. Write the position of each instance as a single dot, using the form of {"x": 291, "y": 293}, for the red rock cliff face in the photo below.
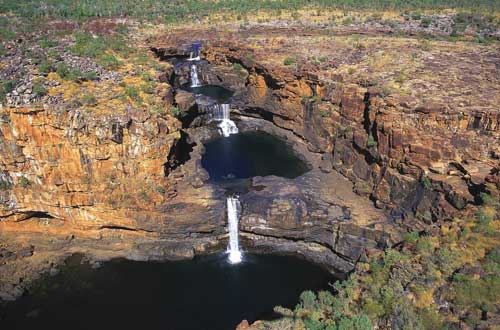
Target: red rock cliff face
{"x": 421, "y": 161}
{"x": 74, "y": 160}
{"x": 96, "y": 172}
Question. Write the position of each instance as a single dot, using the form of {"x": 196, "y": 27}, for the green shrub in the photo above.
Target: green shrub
{"x": 426, "y": 22}
{"x": 146, "y": 76}
{"x": 39, "y": 89}
{"x": 308, "y": 300}
{"x": 371, "y": 141}
{"x": 373, "y": 309}
{"x": 237, "y": 67}
{"x": 6, "y": 34}
{"x": 416, "y": 16}
{"x": 486, "y": 198}
{"x": 74, "y": 75}
{"x": 88, "y": 46}
{"x": 90, "y": 75}
{"x": 89, "y": 100}
{"x": 158, "y": 109}
{"x": 347, "y": 21}
{"x": 7, "y": 87}
{"x": 122, "y": 29}
{"x": 4, "y": 185}
{"x": 141, "y": 58}
{"x": 144, "y": 196}
{"x": 160, "y": 190}
{"x": 149, "y": 87}
{"x": 62, "y": 70}
{"x": 411, "y": 237}
{"x": 289, "y": 61}
{"x": 109, "y": 62}
{"x": 426, "y": 182}
{"x": 133, "y": 93}
{"x": 46, "y": 43}
{"x": 481, "y": 294}
{"x": 175, "y": 11}
{"x": 24, "y": 182}
{"x": 175, "y": 111}
{"x": 46, "y": 67}
{"x": 118, "y": 44}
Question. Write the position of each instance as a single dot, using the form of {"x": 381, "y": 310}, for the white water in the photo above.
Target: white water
{"x": 221, "y": 112}
{"x": 195, "y": 82}
{"x": 233, "y": 217}
{"x": 192, "y": 56}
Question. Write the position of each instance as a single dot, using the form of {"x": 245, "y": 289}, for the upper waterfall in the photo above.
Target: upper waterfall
{"x": 194, "y": 54}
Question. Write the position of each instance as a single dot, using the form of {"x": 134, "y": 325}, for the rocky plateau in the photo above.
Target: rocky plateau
{"x": 387, "y": 154}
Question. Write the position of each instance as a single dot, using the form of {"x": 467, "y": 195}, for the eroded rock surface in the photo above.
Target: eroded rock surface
{"x": 418, "y": 151}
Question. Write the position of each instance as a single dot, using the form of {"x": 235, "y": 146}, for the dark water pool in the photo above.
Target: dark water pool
{"x": 206, "y": 293}
{"x": 220, "y": 94}
{"x": 249, "y": 154}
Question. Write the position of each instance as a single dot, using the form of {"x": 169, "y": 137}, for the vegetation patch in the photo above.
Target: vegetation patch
{"x": 401, "y": 286}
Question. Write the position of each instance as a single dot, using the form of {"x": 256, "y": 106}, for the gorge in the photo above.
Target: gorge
{"x": 242, "y": 164}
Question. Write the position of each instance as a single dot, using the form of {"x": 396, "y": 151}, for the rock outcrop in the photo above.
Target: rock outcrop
{"x": 421, "y": 161}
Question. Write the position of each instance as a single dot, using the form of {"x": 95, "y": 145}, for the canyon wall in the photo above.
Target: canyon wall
{"x": 419, "y": 161}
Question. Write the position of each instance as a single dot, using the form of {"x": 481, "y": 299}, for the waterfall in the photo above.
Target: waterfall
{"x": 194, "y": 56}
{"x": 195, "y": 82}
{"x": 221, "y": 112}
{"x": 233, "y": 217}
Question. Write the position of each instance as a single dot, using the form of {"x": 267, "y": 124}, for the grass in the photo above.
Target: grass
{"x": 174, "y": 11}
{"x": 133, "y": 93}
{"x": 65, "y": 72}
{"x": 6, "y": 87}
{"x": 109, "y": 62}
{"x": 46, "y": 43}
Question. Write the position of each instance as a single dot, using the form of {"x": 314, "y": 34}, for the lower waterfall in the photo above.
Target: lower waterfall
{"x": 233, "y": 218}
{"x": 195, "y": 82}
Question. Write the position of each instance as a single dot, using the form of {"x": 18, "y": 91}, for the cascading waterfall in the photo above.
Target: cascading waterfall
{"x": 233, "y": 217}
{"x": 221, "y": 112}
{"x": 195, "y": 82}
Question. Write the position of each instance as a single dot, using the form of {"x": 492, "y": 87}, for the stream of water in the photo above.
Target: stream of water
{"x": 233, "y": 205}
{"x": 195, "y": 81}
